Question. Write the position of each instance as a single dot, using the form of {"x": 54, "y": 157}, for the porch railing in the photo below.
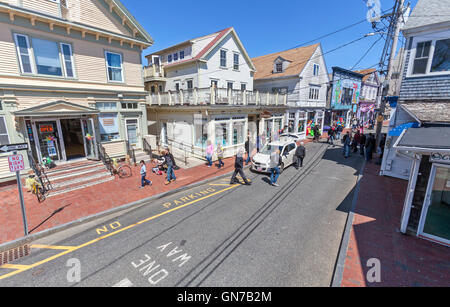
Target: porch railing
{"x": 131, "y": 152}
{"x": 216, "y": 96}
{"x": 147, "y": 148}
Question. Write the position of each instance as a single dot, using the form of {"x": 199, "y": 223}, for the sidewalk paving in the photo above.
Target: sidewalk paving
{"x": 405, "y": 260}
{"x": 71, "y": 206}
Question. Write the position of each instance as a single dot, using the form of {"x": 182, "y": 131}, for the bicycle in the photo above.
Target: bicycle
{"x": 123, "y": 171}
{"x": 37, "y": 189}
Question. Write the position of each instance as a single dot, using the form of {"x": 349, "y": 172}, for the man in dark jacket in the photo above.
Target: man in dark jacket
{"x": 238, "y": 168}
{"x": 362, "y": 144}
{"x": 300, "y": 154}
{"x": 369, "y": 147}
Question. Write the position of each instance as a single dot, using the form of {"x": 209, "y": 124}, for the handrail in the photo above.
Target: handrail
{"x": 40, "y": 174}
{"x": 130, "y": 151}
{"x": 107, "y": 161}
{"x": 147, "y": 148}
{"x": 186, "y": 147}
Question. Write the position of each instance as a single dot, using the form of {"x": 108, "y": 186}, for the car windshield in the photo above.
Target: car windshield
{"x": 268, "y": 149}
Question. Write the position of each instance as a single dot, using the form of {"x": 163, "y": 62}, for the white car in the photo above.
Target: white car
{"x": 287, "y": 147}
{"x": 290, "y": 135}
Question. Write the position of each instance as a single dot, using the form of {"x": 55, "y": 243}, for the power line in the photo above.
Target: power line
{"x": 367, "y": 52}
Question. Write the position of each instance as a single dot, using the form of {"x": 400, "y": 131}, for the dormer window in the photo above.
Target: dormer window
{"x": 278, "y": 67}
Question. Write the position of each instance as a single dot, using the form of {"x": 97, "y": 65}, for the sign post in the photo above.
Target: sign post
{"x": 17, "y": 164}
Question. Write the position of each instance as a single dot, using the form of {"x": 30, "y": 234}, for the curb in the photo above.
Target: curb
{"x": 340, "y": 264}
{"x": 45, "y": 233}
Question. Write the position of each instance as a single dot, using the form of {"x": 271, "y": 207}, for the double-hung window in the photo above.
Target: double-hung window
{"x": 4, "y": 139}
{"x": 316, "y": 70}
{"x": 43, "y": 57}
{"x": 24, "y": 52}
{"x": 114, "y": 65}
{"x": 236, "y": 61}
{"x": 66, "y": 50}
{"x": 223, "y": 58}
{"x": 175, "y": 56}
{"x": 441, "y": 56}
{"x": 421, "y": 59}
{"x": 181, "y": 55}
{"x": 314, "y": 93}
{"x": 169, "y": 58}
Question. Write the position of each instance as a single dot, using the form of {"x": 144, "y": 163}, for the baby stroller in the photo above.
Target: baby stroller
{"x": 160, "y": 169}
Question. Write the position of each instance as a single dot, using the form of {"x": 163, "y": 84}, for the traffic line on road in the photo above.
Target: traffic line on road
{"x": 126, "y": 283}
{"x": 15, "y": 266}
{"x": 70, "y": 249}
{"x": 40, "y": 246}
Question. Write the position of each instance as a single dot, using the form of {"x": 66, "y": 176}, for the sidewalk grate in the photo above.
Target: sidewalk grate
{"x": 14, "y": 254}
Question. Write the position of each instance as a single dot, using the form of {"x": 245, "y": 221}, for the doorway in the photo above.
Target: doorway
{"x": 132, "y": 126}
{"x": 73, "y": 138}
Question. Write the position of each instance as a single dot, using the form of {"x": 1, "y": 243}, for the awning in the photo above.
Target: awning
{"x": 56, "y": 109}
{"x": 425, "y": 140}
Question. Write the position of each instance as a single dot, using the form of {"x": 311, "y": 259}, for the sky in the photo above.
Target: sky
{"x": 267, "y": 26}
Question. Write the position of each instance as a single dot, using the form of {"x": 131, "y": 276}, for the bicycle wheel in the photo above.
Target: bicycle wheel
{"x": 125, "y": 171}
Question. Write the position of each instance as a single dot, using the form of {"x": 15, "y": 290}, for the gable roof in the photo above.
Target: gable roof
{"x": 217, "y": 38}
{"x": 132, "y": 20}
{"x": 298, "y": 57}
{"x": 60, "y": 107}
{"x": 428, "y": 12}
{"x": 366, "y": 73}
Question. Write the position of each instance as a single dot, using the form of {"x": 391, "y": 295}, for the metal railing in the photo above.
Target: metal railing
{"x": 39, "y": 172}
{"x": 147, "y": 148}
{"x": 188, "y": 150}
{"x": 107, "y": 161}
{"x": 131, "y": 152}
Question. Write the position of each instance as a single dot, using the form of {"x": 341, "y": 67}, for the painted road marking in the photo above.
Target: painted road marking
{"x": 15, "y": 266}
{"x": 112, "y": 226}
{"x": 68, "y": 251}
{"x": 40, "y": 246}
{"x": 126, "y": 283}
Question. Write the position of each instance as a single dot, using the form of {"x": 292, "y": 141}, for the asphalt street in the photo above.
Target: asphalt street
{"x": 213, "y": 235}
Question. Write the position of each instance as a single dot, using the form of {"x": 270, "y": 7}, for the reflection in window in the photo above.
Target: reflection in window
{"x": 46, "y": 54}
{"x": 3, "y": 132}
{"x": 238, "y": 133}
{"x": 222, "y": 134}
{"x": 441, "y": 57}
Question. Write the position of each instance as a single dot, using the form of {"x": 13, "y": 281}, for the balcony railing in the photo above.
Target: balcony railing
{"x": 153, "y": 72}
{"x": 215, "y": 96}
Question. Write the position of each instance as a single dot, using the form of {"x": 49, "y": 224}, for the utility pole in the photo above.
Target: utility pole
{"x": 393, "y": 36}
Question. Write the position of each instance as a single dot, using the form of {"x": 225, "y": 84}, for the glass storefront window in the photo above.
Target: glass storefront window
{"x": 109, "y": 128}
{"x": 238, "y": 133}
{"x": 437, "y": 221}
{"x": 200, "y": 132}
{"x": 222, "y": 134}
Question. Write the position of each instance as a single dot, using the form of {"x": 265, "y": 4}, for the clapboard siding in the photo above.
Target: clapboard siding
{"x": 42, "y": 6}
{"x": 90, "y": 64}
{"x": 4, "y": 165}
{"x": 115, "y": 149}
{"x": 436, "y": 87}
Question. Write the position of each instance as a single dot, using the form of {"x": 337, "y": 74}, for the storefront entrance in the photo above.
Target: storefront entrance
{"x": 435, "y": 220}
{"x": 64, "y": 139}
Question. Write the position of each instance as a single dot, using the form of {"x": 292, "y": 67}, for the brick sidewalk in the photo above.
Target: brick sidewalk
{"x": 405, "y": 260}
{"x": 78, "y": 204}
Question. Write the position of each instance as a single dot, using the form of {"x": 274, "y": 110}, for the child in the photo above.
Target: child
{"x": 143, "y": 175}
{"x": 220, "y": 156}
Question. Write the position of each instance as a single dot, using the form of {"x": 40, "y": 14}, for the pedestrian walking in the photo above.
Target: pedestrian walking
{"x": 300, "y": 154}
{"x": 369, "y": 147}
{"x": 238, "y": 168}
{"x": 209, "y": 153}
{"x": 347, "y": 142}
{"x": 330, "y": 139}
{"x": 356, "y": 141}
{"x": 316, "y": 133}
{"x": 275, "y": 162}
{"x": 220, "y": 156}
{"x": 362, "y": 144}
{"x": 169, "y": 163}
{"x": 247, "y": 150}
{"x": 143, "y": 173}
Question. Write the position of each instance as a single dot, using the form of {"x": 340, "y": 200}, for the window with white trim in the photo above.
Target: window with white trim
{"x": 4, "y": 138}
{"x": 66, "y": 50}
{"x": 279, "y": 67}
{"x": 236, "y": 61}
{"x": 316, "y": 69}
{"x": 24, "y": 53}
{"x": 421, "y": 58}
{"x": 181, "y": 54}
{"x": 441, "y": 56}
{"x": 114, "y": 66}
{"x": 223, "y": 58}
{"x": 175, "y": 56}
{"x": 314, "y": 93}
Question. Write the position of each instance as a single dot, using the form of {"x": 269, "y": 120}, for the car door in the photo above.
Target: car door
{"x": 291, "y": 148}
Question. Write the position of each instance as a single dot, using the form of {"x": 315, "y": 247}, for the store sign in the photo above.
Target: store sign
{"x": 440, "y": 158}
{"x": 16, "y": 163}
{"x": 266, "y": 114}
{"x": 46, "y": 128}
